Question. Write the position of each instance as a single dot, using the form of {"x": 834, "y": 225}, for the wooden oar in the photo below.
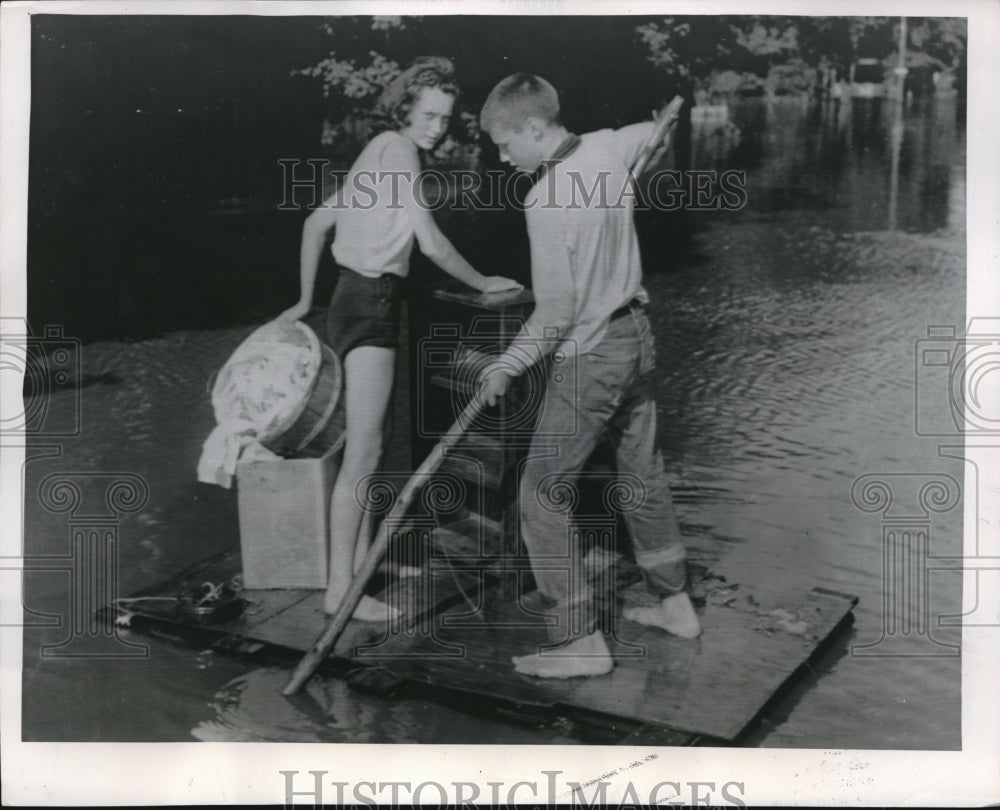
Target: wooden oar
{"x": 314, "y": 657}
{"x": 660, "y": 135}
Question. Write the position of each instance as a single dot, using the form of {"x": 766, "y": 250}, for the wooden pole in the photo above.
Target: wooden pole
{"x": 659, "y": 136}
{"x": 899, "y": 102}
{"x": 901, "y": 70}
{"x": 321, "y": 648}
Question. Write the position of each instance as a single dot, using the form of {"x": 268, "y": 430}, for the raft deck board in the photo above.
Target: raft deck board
{"x": 278, "y": 625}
{"x": 457, "y": 648}
{"x": 712, "y": 687}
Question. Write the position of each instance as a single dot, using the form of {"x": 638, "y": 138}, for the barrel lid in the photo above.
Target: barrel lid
{"x": 267, "y": 381}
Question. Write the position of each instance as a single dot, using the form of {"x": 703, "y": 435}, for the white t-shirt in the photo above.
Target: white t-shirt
{"x": 584, "y": 250}
{"x": 374, "y": 233}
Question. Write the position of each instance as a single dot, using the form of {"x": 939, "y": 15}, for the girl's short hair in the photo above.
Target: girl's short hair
{"x": 518, "y": 98}
{"x": 392, "y": 110}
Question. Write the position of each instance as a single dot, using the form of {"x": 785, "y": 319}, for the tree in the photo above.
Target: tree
{"x": 942, "y": 38}
{"x": 691, "y": 47}
{"x": 366, "y": 54}
{"x": 701, "y": 47}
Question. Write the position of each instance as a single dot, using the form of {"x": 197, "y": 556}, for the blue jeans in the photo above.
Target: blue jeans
{"x": 606, "y": 392}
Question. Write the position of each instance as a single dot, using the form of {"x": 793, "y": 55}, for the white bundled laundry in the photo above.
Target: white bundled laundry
{"x": 259, "y": 393}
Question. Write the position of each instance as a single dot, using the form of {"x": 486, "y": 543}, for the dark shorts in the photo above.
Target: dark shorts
{"x": 364, "y": 311}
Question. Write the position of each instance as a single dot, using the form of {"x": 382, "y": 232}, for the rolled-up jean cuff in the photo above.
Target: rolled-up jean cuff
{"x": 664, "y": 570}
{"x": 661, "y": 587}
{"x": 662, "y": 590}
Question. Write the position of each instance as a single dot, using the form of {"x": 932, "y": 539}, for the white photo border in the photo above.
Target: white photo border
{"x": 249, "y": 773}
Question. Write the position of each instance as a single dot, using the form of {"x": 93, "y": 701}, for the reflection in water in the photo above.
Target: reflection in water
{"x": 251, "y": 708}
{"x": 897, "y": 146}
{"x": 789, "y": 340}
{"x": 838, "y": 157}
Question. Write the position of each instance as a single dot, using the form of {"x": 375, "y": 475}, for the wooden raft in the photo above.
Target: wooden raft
{"x": 455, "y": 642}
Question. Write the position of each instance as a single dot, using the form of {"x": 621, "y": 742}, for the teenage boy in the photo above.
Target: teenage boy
{"x": 589, "y": 306}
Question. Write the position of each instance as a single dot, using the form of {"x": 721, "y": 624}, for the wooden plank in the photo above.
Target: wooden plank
{"x": 290, "y": 618}
{"x": 298, "y": 625}
{"x": 713, "y": 687}
{"x": 493, "y": 302}
{"x": 456, "y": 641}
{"x": 262, "y": 606}
{"x": 417, "y": 599}
{"x": 651, "y": 735}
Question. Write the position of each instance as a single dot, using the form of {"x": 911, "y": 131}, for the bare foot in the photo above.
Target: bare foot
{"x": 585, "y": 657}
{"x": 675, "y": 614}
{"x": 368, "y": 609}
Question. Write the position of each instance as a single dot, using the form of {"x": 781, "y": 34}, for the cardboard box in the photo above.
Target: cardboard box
{"x": 284, "y": 508}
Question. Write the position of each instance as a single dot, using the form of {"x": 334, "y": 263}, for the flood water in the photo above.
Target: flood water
{"x": 786, "y": 334}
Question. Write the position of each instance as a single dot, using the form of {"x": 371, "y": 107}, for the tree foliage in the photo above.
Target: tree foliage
{"x": 367, "y": 52}
{"x": 651, "y": 59}
{"x": 701, "y": 46}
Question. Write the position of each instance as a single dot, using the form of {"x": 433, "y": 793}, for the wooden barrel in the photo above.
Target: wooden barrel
{"x": 320, "y": 425}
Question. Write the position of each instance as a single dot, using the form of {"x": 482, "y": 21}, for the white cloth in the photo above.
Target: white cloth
{"x": 224, "y": 448}
{"x": 221, "y": 452}
{"x": 261, "y": 386}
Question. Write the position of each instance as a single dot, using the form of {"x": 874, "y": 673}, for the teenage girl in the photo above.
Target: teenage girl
{"x": 378, "y": 214}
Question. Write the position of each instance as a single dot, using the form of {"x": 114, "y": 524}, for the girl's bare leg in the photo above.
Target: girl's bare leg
{"x": 368, "y": 388}
{"x": 365, "y": 534}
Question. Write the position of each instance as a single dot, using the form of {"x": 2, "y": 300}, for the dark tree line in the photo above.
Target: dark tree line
{"x": 611, "y": 69}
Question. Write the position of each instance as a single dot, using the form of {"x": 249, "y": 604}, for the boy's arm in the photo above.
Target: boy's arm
{"x": 628, "y": 141}
{"x": 555, "y": 302}
{"x": 552, "y": 284}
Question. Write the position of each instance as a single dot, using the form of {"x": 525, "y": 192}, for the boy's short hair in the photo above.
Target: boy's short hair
{"x": 392, "y": 110}
{"x": 518, "y": 98}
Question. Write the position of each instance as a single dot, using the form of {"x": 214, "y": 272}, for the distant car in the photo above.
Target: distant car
{"x": 867, "y": 79}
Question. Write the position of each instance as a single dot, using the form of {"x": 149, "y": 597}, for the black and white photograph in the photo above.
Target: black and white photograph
{"x": 491, "y": 404}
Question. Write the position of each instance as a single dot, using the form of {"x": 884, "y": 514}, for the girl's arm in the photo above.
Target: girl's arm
{"x": 402, "y": 158}
{"x": 314, "y": 232}
{"x": 436, "y": 247}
